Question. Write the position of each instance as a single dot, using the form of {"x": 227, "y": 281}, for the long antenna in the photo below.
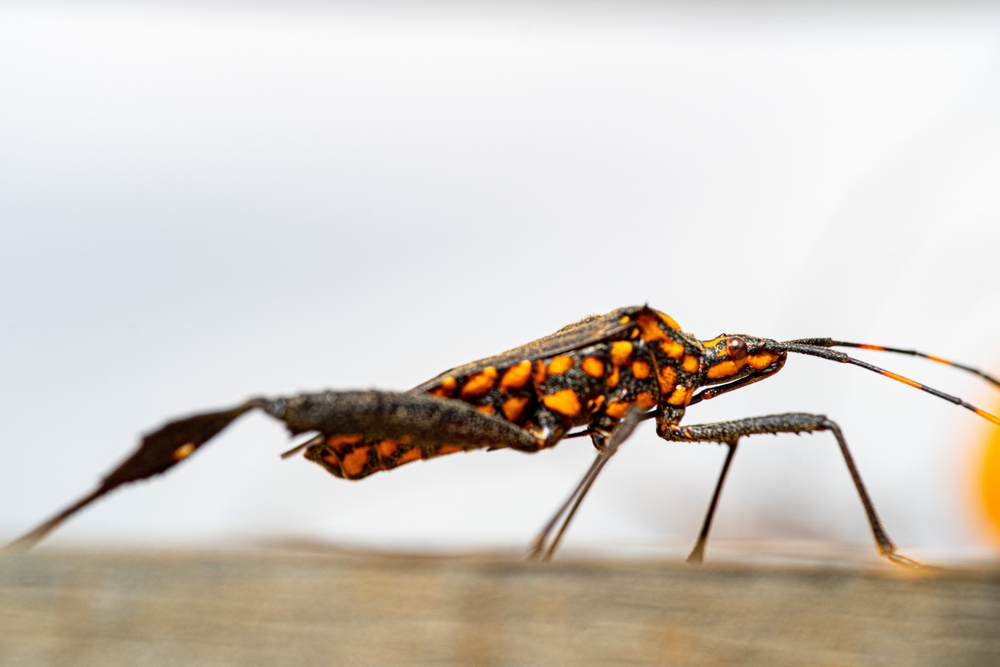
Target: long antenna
{"x": 829, "y": 342}
{"x": 822, "y": 351}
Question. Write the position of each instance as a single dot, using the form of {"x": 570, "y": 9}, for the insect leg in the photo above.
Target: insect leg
{"x": 732, "y": 431}
{"x": 697, "y": 554}
{"x": 538, "y": 544}
{"x": 621, "y": 431}
{"x": 363, "y": 432}
{"x": 426, "y": 422}
{"x": 158, "y": 452}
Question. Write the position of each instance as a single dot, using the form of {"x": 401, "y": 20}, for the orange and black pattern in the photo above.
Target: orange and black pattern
{"x": 645, "y": 360}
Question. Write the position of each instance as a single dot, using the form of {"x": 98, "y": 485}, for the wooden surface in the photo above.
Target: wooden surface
{"x": 348, "y": 608}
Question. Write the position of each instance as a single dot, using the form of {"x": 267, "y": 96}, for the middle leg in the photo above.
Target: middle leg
{"x": 621, "y": 431}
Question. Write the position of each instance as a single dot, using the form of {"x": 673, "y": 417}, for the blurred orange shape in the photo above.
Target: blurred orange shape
{"x": 990, "y": 481}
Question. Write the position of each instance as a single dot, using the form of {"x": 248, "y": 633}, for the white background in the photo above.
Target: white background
{"x": 201, "y": 202}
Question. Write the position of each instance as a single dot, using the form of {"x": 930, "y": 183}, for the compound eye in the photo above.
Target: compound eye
{"x": 737, "y": 348}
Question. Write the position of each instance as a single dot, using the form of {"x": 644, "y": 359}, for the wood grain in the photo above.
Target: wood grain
{"x": 350, "y": 608}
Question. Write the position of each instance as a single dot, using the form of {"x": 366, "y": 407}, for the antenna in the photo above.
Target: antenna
{"x": 819, "y": 347}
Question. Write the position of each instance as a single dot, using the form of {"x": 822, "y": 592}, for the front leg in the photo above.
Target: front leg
{"x": 729, "y": 432}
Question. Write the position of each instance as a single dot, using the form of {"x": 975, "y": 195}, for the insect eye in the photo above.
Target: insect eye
{"x": 737, "y": 348}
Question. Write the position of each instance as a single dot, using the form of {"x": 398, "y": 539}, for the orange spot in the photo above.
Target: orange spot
{"x": 410, "y": 455}
{"x": 667, "y": 379}
{"x": 879, "y": 348}
{"x": 691, "y": 364}
{"x": 640, "y": 369}
{"x": 356, "y": 461}
{"x": 564, "y": 401}
{"x": 722, "y": 369}
{"x": 714, "y": 341}
{"x": 672, "y": 349}
{"x": 593, "y": 367}
{"x": 679, "y": 397}
{"x": 516, "y": 376}
{"x": 634, "y": 334}
{"x": 446, "y": 389}
{"x": 669, "y": 321}
{"x": 487, "y": 409}
{"x": 621, "y": 350}
{"x": 448, "y": 449}
{"x": 184, "y": 451}
{"x": 513, "y": 407}
{"x": 480, "y": 383}
{"x": 386, "y": 448}
{"x": 650, "y": 327}
{"x": 539, "y": 373}
{"x": 613, "y": 378}
{"x": 645, "y": 400}
{"x": 617, "y": 409}
{"x": 624, "y": 320}
{"x": 595, "y": 404}
{"x": 332, "y": 460}
{"x": 339, "y": 442}
{"x": 761, "y": 361}
{"x": 560, "y": 364}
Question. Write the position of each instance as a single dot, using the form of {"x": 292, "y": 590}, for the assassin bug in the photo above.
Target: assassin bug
{"x": 603, "y": 375}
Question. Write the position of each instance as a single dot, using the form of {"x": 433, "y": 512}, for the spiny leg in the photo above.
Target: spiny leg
{"x": 621, "y": 431}
{"x": 158, "y": 452}
{"x": 732, "y": 431}
{"x": 428, "y": 422}
{"x": 697, "y": 554}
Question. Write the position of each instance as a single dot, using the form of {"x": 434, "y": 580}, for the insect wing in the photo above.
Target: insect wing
{"x": 587, "y": 331}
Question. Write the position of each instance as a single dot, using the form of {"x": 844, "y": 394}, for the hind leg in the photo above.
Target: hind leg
{"x": 432, "y": 425}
